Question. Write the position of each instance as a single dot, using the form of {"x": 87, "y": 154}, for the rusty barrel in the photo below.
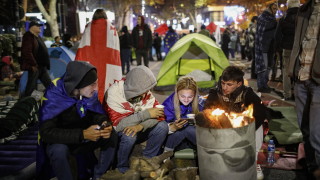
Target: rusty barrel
{"x": 227, "y": 154}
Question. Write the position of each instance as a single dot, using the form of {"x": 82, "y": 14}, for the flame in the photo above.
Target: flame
{"x": 218, "y": 118}
{"x": 217, "y": 112}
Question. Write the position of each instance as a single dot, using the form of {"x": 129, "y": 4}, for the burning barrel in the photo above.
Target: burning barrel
{"x": 225, "y": 151}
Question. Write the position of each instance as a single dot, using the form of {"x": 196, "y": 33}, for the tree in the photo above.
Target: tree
{"x": 50, "y": 16}
{"x": 122, "y": 9}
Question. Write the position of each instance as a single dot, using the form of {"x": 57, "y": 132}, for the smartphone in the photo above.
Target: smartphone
{"x": 104, "y": 126}
{"x": 190, "y": 121}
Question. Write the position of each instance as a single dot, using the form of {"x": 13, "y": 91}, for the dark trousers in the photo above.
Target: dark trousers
{"x": 158, "y": 52}
{"x": 142, "y": 53}
{"x": 59, "y": 156}
{"x": 125, "y": 60}
{"x": 33, "y": 76}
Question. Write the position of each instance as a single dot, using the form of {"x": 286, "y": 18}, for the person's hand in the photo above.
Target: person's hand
{"x": 156, "y": 112}
{"x": 132, "y": 130}
{"x": 92, "y": 133}
{"x": 178, "y": 124}
{"x": 34, "y": 68}
{"x": 106, "y": 132}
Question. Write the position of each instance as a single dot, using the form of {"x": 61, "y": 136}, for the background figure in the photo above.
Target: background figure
{"x": 67, "y": 41}
{"x": 7, "y": 70}
{"x": 264, "y": 46}
{"x": 304, "y": 66}
{"x": 157, "y": 46}
{"x": 125, "y": 49}
{"x": 142, "y": 41}
{"x": 35, "y": 58}
{"x": 176, "y": 107}
{"x": 131, "y": 106}
{"x": 284, "y": 37}
{"x": 170, "y": 39}
{"x": 233, "y": 44}
{"x": 57, "y": 42}
{"x": 204, "y": 31}
{"x": 99, "y": 45}
{"x": 225, "y": 42}
{"x": 250, "y": 45}
{"x": 243, "y": 44}
{"x": 72, "y": 121}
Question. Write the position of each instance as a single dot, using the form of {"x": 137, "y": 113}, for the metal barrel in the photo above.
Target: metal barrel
{"x": 227, "y": 154}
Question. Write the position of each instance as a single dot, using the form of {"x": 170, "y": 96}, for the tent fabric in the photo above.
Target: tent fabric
{"x": 59, "y": 58}
{"x": 187, "y": 55}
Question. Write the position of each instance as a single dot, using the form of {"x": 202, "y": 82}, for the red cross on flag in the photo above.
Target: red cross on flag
{"x": 99, "y": 46}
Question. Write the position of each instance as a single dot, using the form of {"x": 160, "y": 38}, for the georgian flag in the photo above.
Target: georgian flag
{"x": 99, "y": 46}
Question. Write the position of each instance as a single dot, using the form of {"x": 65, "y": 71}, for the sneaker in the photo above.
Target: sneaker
{"x": 260, "y": 175}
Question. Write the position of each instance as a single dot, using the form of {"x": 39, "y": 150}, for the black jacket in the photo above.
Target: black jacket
{"x": 147, "y": 37}
{"x": 125, "y": 41}
{"x": 248, "y": 97}
{"x": 285, "y": 29}
{"x": 67, "y": 127}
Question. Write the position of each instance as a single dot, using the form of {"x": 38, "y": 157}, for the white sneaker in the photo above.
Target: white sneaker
{"x": 260, "y": 175}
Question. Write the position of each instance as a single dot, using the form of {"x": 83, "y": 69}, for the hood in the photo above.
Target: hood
{"x": 138, "y": 81}
{"x": 75, "y": 71}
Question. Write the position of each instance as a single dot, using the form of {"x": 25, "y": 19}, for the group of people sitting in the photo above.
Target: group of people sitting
{"x": 73, "y": 121}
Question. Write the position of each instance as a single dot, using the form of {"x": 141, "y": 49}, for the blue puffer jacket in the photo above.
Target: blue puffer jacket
{"x": 169, "y": 109}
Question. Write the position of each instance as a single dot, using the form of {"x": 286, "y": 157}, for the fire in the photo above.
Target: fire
{"x": 218, "y": 118}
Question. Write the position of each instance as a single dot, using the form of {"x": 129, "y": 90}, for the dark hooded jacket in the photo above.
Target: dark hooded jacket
{"x": 236, "y": 104}
{"x": 60, "y": 118}
{"x": 285, "y": 30}
{"x": 147, "y": 36}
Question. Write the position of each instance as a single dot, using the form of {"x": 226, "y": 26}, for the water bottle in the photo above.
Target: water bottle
{"x": 271, "y": 150}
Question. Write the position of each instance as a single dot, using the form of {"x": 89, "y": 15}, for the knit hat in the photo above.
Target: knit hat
{"x": 88, "y": 79}
{"x": 293, "y": 3}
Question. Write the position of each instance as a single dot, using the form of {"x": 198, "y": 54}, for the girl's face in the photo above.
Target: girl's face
{"x": 186, "y": 96}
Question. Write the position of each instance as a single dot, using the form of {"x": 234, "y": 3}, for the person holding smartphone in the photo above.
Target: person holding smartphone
{"x": 133, "y": 110}
{"x": 73, "y": 122}
{"x": 177, "y": 106}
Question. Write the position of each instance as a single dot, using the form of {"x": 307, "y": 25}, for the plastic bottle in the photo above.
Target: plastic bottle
{"x": 271, "y": 150}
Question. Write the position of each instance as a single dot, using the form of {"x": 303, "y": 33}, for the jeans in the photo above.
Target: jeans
{"x": 307, "y": 98}
{"x": 263, "y": 77}
{"x": 59, "y": 156}
{"x": 286, "y": 80}
{"x": 42, "y": 74}
{"x": 142, "y": 53}
{"x": 155, "y": 137}
{"x": 177, "y": 137}
{"x": 125, "y": 60}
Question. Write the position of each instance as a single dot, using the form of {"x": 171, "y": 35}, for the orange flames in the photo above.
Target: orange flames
{"x": 220, "y": 119}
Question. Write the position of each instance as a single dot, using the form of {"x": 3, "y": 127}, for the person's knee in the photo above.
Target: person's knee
{"x": 58, "y": 151}
{"x": 128, "y": 140}
{"x": 162, "y": 128}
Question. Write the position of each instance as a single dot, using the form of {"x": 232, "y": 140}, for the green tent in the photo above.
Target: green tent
{"x": 192, "y": 52}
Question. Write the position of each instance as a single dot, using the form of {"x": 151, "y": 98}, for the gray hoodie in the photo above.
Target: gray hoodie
{"x": 138, "y": 81}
